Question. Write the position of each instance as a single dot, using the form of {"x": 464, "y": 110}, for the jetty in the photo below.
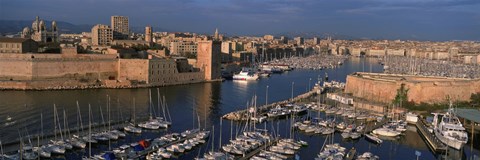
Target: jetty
{"x": 241, "y": 115}
{"x": 433, "y": 143}
{"x": 256, "y": 151}
{"x": 150, "y": 150}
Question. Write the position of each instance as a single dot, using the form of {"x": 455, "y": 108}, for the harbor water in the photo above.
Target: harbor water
{"x": 191, "y": 106}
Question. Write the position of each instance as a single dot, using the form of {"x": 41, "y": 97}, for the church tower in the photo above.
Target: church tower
{"x": 217, "y": 37}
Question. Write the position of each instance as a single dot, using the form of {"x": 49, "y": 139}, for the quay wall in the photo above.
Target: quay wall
{"x": 383, "y": 87}
{"x": 79, "y": 71}
{"x": 56, "y": 66}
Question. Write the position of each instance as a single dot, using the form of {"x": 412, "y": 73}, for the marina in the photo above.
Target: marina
{"x": 208, "y": 103}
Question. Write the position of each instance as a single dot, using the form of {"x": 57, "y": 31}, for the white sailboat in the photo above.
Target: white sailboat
{"x": 131, "y": 127}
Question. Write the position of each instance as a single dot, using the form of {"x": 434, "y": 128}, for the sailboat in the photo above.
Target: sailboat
{"x": 74, "y": 141}
{"x": 131, "y": 127}
{"x": 57, "y": 147}
{"x": 43, "y": 150}
{"x": 89, "y": 137}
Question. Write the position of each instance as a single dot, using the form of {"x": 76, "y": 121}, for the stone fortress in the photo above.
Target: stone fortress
{"x": 70, "y": 70}
{"x": 378, "y": 87}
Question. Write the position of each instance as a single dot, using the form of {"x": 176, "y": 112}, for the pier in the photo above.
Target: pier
{"x": 256, "y": 151}
{"x": 433, "y": 143}
{"x": 241, "y": 115}
{"x": 150, "y": 149}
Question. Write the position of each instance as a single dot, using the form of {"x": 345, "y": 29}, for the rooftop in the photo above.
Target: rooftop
{"x": 469, "y": 114}
{"x": 13, "y": 40}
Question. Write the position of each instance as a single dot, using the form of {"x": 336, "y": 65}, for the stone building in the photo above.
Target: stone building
{"x": 102, "y": 35}
{"x": 148, "y": 34}
{"x": 40, "y": 33}
{"x": 18, "y": 45}
{"x": 227, "y": 50}
{"x": 299, "y": 40}
{"x": 183, "y": 48}
{"x": 120, "y": 27}
{"x": 208, "y": 59}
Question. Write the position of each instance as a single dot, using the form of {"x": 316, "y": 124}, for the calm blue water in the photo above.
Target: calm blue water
{"x": 208, "y": 101}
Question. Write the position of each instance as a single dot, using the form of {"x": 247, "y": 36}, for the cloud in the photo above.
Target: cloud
{"x": 357, "y": 18}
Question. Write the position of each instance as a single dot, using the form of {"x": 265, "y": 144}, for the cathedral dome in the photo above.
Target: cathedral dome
{"x": 42, "y": 25}
{"x": 26, "y": 31}
{"x": 54, "y": 26}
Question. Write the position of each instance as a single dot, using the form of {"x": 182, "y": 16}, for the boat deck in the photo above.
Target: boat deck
{"x": 433, "y": 143}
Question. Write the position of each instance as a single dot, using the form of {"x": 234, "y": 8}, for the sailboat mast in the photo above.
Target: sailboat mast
{"x": 134, "y": 112}
{"x": 158, "y": 99}
{"x": 213, "y": 137}
{"x": 220, "y": 138}
{"x": 89, "y": 131}
{"x": 55, "y": 121}
{"x": 150, "y": 103}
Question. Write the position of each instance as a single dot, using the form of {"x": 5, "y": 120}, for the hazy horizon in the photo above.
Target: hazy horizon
{"x": 436, "y": 20}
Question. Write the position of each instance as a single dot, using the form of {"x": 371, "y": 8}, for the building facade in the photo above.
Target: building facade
{"x": 120, "y": 27}
{"x": 299, "y": 40}
{"x": 183, "y": 48}
{"x": 18, "y": 45}
{"x": 102, "y": 35}
{"x": 40, "y": 33}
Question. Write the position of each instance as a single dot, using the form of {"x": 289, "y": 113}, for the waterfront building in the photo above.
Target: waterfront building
{"x": 208, "y": 59}
{"x": 40, "y": 33}
{"x": 227, "y": 50}
{"x": 18, "y": 45}
{"x": 102, "y": 35}
{"x": 120, "y": 27}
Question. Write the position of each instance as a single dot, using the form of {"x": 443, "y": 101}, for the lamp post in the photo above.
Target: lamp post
{"x": 293, "y": 83}
{"x": 266, "y": 96}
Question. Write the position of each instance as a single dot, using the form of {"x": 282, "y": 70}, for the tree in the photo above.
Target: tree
{"x": 402, "y": 96}
{"x": 475, "y": 99}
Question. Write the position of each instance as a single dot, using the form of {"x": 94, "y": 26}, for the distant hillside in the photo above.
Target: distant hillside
{"x": 315, "y": 34}
{"x": 15, "y": 26}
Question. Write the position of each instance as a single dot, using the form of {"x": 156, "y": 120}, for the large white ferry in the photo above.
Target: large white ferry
{"x": 245, "y": 74}
{"x": 449, "y": 130}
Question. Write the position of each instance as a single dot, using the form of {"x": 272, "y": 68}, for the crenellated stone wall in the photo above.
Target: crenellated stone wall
{"x": 383, "y": 87}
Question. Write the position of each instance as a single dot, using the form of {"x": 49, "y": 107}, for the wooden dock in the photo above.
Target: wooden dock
{"x": 433, "y": 143}
{"x": 376, "y": 125}
{"x": 256, "y": 151}
{"x": 150, "y": 150}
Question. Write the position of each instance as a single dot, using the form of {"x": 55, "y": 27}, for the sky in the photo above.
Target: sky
{"x": 437, "y": 20}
